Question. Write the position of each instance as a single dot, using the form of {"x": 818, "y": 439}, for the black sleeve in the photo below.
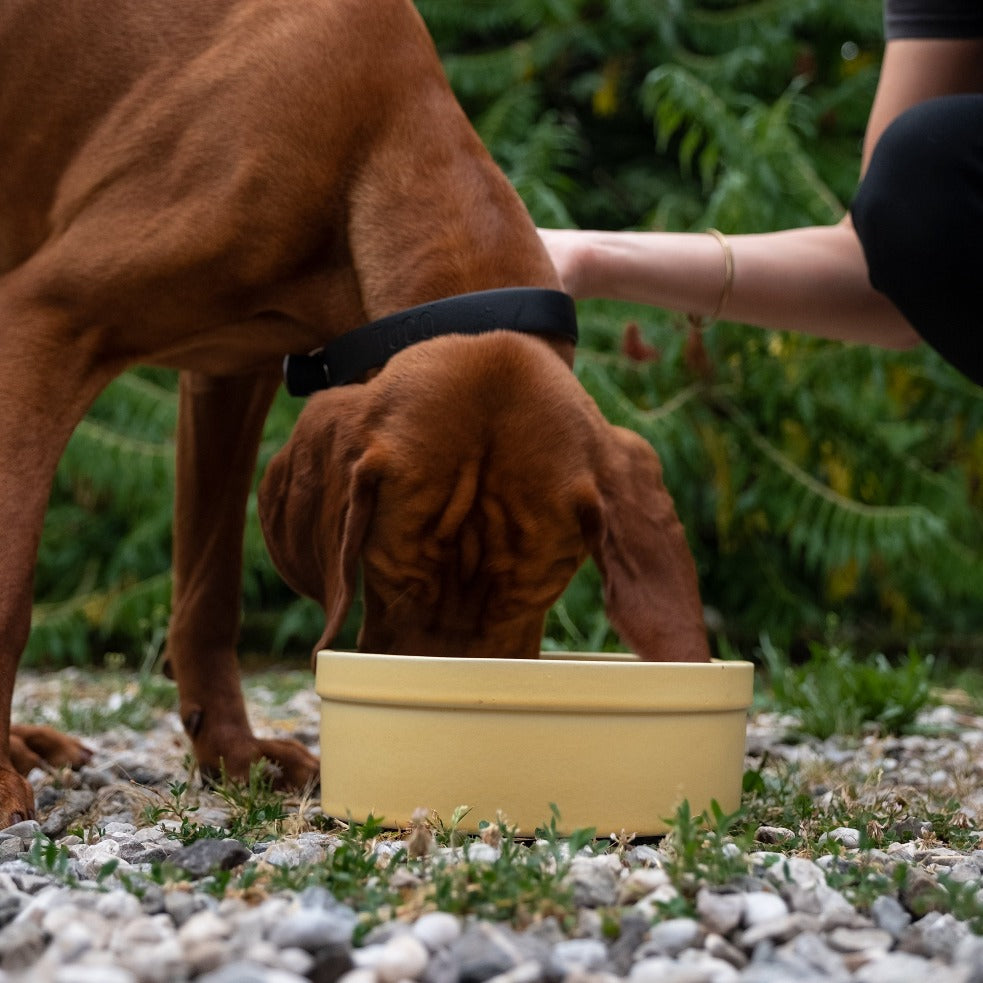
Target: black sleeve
{"x": 933, "y": 19}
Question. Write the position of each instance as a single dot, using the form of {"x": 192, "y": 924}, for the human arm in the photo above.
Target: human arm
{"x": 813, "y": 280}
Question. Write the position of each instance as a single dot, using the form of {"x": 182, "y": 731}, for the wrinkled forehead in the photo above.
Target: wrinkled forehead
{"x": 475, "y": 527}
{"x": 492, "y": 373}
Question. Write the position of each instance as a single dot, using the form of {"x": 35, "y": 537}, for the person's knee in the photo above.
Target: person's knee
{"x": 909, "y": 201}
{"x": 918, "y": 215}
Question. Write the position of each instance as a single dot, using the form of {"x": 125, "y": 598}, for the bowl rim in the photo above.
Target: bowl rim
{"x": 557, "y": 683}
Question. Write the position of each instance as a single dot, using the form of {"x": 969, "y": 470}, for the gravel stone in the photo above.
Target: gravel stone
{"x": 897, "y": 967}
{"x": 26, "y": 830}
{"x": 869, "y": 940}
{"x": 761, "y": 907}
{"x": 889, "y": 914}
{"x": 594, "y": 882}
{"x": 720, "y": 913}
{"x": 773, "y": 834}
{"x": 92, "y": 974}
{"x": 527, "y": 972}
{"x": 483, "y": 951}
{"x": 720, "y": 948}
{"x": 437, "y": 930}
{"x": 21, "y": 944}
{"x": 846, "y": 836}
{"x": 71, "y": 807}
{"x": 671, "y": 937}
{"x": 311, "y": 929}
{"x": 205, "y": 856}
{"x": 403, "y": 957}
{"x": 579, "y": 955}
{"x": 640, "y": 883}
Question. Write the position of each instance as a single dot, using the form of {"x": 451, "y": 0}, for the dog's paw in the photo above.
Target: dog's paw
{"x": 294, "y": 765}
{"x": 43, "y": 747}
{"x": 288, "y": 764}
{"x": 16, "y": 798}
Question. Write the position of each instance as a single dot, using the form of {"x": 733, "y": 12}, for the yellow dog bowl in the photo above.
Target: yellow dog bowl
{"x": 615, "y": 743}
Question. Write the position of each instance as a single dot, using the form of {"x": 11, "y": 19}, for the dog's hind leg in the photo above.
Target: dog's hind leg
{"x": 219, "y": 426}
{"x": 49, "y": 375}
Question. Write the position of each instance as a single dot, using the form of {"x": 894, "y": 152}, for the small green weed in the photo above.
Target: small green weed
{"x": 862, "y": 881}
{"x": 524, "y": 882}
{"x": 837, "y": 693}
{"x": 961, "y": 900}
{"x": 55, "y": 861}
{"x": 708, "y": 849}
{"x": 255, "y": 808}
{"x": 181, "y": 806}
{"x": 48, "y": 857}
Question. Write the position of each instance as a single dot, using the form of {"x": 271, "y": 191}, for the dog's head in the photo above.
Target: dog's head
{"x": 470, "y": 478}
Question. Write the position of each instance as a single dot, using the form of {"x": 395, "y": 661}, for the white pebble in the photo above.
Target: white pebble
{"x": 204, "y": 926}
{"x": 367, "y": 957}
{"x": 160, "y": 963}
{"x": 71, "y": 941}
{"x": 290, "y": 854}
{"x": 359, "y": 976}
{"x": 867, "y": 940}
{"x": 763, "y": 906}
{"x": 436, "y": 929}
{"x": 145, "y": 931}
{"x": 204, "y": 955}
{"x": 291, "y": 959}
{"x": 671, "y": 937}
{"x": 896, "y": 967}
{"x": 641, "y": 882}
{"x": 721, "y": 913}
{"x": 403, "y": 957}
{"x": 580, "y": 955}
{"x": 119, "y": 905}
{"x": 846, "y": 836}
{"x": 660, "y": 969}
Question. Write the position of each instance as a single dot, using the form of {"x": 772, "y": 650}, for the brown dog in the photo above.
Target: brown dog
{"x": 207, "y": 186}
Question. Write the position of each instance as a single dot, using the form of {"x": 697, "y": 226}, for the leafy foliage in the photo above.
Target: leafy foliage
{"x": 822, "y": 486}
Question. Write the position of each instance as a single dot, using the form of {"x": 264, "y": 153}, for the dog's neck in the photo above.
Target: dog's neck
{"x": 440, "y": 221}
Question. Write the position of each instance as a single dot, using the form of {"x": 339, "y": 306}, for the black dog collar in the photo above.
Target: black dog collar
{"x": 350, "y": 356}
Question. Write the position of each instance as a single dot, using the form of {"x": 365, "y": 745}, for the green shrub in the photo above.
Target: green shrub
{"x": 835, "y": 692}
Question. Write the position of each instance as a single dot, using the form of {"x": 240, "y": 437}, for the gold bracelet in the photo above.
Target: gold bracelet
{"x": 728, "y": 273}
{"x": 698, "y": 322}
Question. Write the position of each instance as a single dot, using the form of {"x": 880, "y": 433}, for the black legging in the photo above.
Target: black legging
{"x": 919, "y": 216}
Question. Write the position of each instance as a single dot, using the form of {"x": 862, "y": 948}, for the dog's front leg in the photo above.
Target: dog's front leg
{"x": 219, "y": 426}
{"x": 48, "y": 378}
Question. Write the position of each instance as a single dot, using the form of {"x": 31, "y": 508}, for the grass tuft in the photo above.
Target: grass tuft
{"x": 835, "y": 693}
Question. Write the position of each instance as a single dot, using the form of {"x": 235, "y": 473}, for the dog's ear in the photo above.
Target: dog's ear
{"x": 651, "y": 592}
{"x": 316, "y": 501}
